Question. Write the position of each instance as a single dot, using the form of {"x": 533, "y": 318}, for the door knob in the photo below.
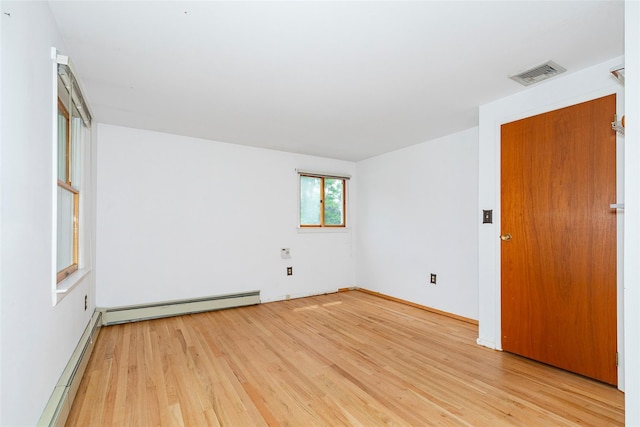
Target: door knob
{"x": 505, "y": 237}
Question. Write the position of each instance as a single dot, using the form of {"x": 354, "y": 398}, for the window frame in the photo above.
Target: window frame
{"x": 322, "y": 177}
{"x": 69, "y": 186}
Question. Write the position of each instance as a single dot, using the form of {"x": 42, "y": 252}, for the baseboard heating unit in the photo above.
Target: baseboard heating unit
{"x": 59, "y": 405}
{"x": 135, "y": 313}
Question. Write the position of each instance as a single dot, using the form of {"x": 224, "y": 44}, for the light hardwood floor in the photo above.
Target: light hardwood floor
{"x": 341, "y": 359}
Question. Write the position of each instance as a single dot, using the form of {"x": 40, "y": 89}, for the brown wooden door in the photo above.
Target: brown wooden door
{"x": 558, "y": 179}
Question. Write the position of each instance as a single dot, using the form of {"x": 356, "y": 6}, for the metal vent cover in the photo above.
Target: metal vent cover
{"x": 537, "y": 74}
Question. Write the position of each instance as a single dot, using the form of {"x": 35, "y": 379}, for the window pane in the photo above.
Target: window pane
{"x": 333, "y": 197}
{"x": 63, "y": 138}
{"x": 77, "y": 138}
{"x": 65, "y": 228}
{"x": 310, "y": 200}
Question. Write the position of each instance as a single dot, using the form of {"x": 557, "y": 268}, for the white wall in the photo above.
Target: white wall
{"x": 632, "y": 214}
{"x": 418, "y": 214}
{"x": 560, "y": 92}
{"x": 36, "y": 338}
{"x": 181, "y": 217}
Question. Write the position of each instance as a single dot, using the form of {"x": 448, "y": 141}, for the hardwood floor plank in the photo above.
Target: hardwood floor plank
{"x": 349, "y": 358}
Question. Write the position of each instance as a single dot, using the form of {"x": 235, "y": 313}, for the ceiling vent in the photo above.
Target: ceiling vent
{"x": 537, "y": 74}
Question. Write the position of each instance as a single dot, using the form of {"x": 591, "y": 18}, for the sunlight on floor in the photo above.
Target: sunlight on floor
{"x": 314, "y": 306}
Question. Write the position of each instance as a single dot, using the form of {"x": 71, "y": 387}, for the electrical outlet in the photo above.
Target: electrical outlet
{"x": 289, "y": 271}
{"x": 433, "y": 278}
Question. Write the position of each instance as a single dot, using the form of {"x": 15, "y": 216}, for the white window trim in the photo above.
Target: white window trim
{"x": 61, "y": 289}
{"x": 311, "y": 230}
{"x": 67, "y": 284}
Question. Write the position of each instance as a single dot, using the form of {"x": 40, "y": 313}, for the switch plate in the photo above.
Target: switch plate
{"x": 487, "y": 216}
{"x": 285, "y": 253}
{"x": 433, "y": 279}
{"x": 289, "y": 271}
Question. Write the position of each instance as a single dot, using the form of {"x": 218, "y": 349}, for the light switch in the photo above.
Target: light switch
{"x": 487, "y": 216}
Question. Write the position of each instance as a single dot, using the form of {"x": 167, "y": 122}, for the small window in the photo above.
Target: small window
{"x": 322, "y": 201}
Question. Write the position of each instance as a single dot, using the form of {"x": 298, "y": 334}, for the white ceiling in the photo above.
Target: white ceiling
{"x": 345, "y": 80}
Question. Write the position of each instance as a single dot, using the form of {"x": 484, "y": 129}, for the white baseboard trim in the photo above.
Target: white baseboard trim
{"x": 57, "y": 410}
{"x": 487, "y": 343}
{"x": 176, "y": 308}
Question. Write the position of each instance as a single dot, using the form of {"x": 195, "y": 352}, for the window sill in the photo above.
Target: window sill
{"x": 63, "y": 288}
{"x": 324, "y": 229}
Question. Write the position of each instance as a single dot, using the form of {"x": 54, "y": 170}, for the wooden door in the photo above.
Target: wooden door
{"x": 558, "y": 179}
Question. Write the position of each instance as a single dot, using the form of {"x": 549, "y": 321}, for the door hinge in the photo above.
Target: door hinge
{"x": 618, "y": 125}
{"x": 617, "y": 359}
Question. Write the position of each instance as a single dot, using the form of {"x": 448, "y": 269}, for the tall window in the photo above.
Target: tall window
{"x": 72, "y": 133}
{"x": 322, "y": 201}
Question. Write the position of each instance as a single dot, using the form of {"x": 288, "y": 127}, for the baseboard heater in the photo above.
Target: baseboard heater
{"x": 136, "y": 313}
{"x": 57, "y": 410}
